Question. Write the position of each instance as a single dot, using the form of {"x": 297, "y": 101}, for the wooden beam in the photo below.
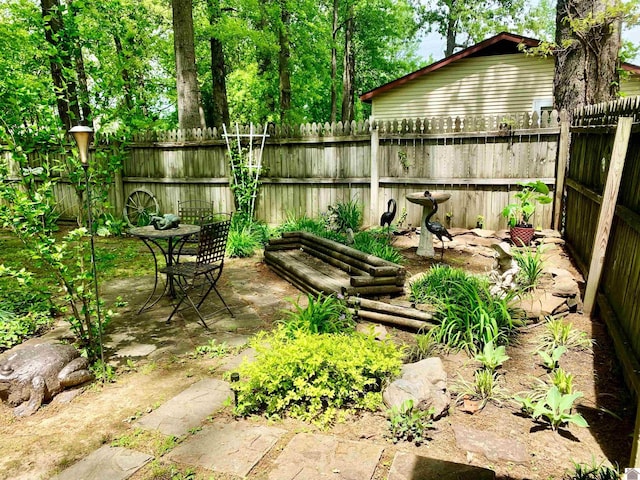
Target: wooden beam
{"x": 607, "y": 211}
{"x": 374, "y": 185}
{"x": 462, "y": 181}
{"x": 561, "y": 168}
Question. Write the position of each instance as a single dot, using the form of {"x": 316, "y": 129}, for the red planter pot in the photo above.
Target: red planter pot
{"x": 521, "y": 236}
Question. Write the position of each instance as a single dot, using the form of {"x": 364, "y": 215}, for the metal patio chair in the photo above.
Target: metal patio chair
{"x": 194, "y": 212}
{"x": 204, "y": 272}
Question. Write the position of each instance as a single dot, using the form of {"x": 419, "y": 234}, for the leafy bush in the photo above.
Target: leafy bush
{"x": 311, "y": 376}
{"x": 407, "y": 424}
{"x": 469, "y": 315}
{"x": 492, "y": 358}
{"x": 16, "y": 328}
{"x": 324, "y": 314}
{"x": 376, "y": 242}
{"x": 317, "y": 226}
{"x": 485, "y": 387}
{"x": 560, "y": 334}
{"x": 555, "y": 408}
{"x": 246, "y": 236}
{"x": 345, "y": 215}
{"x": 530, "y": 264}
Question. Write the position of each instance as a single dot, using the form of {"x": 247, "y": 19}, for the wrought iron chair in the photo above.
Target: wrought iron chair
{"x": 193, "y": 212}
{"x": 205, "y": 271}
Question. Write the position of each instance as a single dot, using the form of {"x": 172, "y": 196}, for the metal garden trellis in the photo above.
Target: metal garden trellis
{"x": 253, "y": 165}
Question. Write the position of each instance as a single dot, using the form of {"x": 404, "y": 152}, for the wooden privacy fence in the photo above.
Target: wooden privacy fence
{"x": 306, "y": 168}
{"x": 602, "y": 223}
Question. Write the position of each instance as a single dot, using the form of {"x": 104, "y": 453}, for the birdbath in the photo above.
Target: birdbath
{"x": 425, "y": 247}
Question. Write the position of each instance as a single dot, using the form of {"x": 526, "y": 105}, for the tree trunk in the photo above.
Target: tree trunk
{"x": 218, "y": 70}
{"x": 124, "y": 72}
{"x": 265, "y": 61}
{"x": 283, "y": 63}
{"x": 83, "y": 88}
{"x": 190, "y": 113}
{"x": 586, "y": 69}
{"x": 451, "y": 31}
{"x": 60, "y": 62}
{"x": 348, "y": 89}
{"x": 334, "y": 62}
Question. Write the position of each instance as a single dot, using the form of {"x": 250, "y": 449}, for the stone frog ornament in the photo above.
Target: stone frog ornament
{"x": 32, "y": 375}
{"x": 167, "y": 221}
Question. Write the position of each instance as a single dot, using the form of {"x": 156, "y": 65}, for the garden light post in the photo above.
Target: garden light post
{"x": 82, "y": 135}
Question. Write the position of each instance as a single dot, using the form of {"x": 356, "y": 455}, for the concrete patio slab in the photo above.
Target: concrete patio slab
{"x": 106, "y": 463}
{"x": 232, "y": 448}
{"x": 309, "y": 456}
{"x": 407, "y": 466}
{"x": 188, "y": 409}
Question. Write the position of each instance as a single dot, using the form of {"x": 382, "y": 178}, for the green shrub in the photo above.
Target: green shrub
{"x": 345, "y": 215}
{"x": 592, "y": 472}
{"x": 324, "y": 314}
{"x": 317, "y": 226}
{"x": 312, "y": 377}
{"x": 376, "y": 242}
{"x": 469, "y": 315}
{"x": 407, "y": 424}
{"x": 246, "y": 236}
{"x": 485, "y": 387}
{"x": 555, "y": 408}
{"x": 530, "y": 264}
{"x": 560, "y": 334}
{"x": 492, "y": 357}
{"x": 16, "y": 328}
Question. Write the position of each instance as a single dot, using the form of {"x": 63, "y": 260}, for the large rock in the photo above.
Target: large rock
{"x": 424, "y": 382}
{"x": 491, "y": 445}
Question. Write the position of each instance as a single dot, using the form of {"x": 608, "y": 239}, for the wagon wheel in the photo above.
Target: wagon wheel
{"x": 140, "y": 206}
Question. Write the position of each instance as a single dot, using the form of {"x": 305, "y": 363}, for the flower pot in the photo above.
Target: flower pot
{"x": 521, "y": 236}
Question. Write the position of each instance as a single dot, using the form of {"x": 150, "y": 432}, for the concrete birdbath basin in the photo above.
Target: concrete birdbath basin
{"x": 425, "y": 247}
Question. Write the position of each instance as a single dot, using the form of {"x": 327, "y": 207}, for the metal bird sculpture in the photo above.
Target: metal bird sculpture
{"x": 388, "y": 216}
{"x": 436, "y": 228}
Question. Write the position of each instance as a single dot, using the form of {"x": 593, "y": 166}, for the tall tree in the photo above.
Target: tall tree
{"x": 284, "y": 56}
{"x": 464, "y": 22}
{"x": 61, "y": 64}
{"x": 190, "y": 113}
{"x": 220, "y": 111}
{"x": 348, "y": 67}
{"x": 588, "y": 42}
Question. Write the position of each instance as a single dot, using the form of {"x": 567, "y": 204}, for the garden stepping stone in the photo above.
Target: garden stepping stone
{"x": 310, "y": 456}
{"x": 232, "y": 363}
{"x": 407, "y": 466}
{"x": 232, "y": 448}
{"x": 492, "y": 446}
{"x": 106, "y": 463}
{"x": 188, "y": 409}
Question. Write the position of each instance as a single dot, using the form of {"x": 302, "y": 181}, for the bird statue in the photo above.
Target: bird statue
{"x": 436, "y": 228}
{"x": 388, "y": 216}
{"x": 350, "y": 236}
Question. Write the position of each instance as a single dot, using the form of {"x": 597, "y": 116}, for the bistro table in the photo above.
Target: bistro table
{"x": 152, "y": 237}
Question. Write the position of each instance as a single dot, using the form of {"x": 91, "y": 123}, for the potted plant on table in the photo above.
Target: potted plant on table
{"x": 519, "y": 212}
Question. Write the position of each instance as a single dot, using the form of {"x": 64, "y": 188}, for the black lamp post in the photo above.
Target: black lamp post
{"x": 82, "y": 135}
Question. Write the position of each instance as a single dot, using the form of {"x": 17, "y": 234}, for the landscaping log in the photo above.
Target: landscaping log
{"x": 306, "y": 274}
{"x": 366, "y": 280}
{"x": 346, "y": 267}
{"x": 353, "y": 263}
{"x": 383, "y": 307}
{"x": 295, "y": 281}
{"x": 390, "y": 319}
{"x": 372, "y": 290}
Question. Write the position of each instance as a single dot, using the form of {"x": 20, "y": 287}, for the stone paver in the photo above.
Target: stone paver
{"x": 310, "y": 457}
{"x": 407, "y": 466}
{"x": 188, "y": 409}
{"x": 491, "y": 445}
{"x": 232, "y": 448}
{"x": 232, "y": 363}
{"x": 106, "y": 463}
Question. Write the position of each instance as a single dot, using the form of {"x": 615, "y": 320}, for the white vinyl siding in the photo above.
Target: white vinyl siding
{"x": 630, "y": 85}
{"x": 479, "y": 86}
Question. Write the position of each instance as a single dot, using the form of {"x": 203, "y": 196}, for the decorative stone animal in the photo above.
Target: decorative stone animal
{"x": 35, "y": 374}
{"x": 167, "y": 221}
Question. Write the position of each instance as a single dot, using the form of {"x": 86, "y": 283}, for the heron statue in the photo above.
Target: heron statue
{"x": 388, "y": 216}
{"x": 436, "y": 227}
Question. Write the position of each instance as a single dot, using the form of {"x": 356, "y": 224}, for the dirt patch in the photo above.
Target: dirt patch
{"x": 60, "y": 434}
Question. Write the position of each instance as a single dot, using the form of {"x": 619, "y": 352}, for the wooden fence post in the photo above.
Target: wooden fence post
{"x": 561, "y": 168}
{"x": 607, "y": 210}
{"x": 374, "y": 184}
{"x": 119, "y": 191}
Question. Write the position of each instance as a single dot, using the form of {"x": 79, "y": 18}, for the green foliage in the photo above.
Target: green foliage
{"x": 212, "y": 349}
{"x": 323, "y": 314}
{"x": 555, "y": 408}
{"x": 532, "y": 194}
{"x": 244, "y": 181}
{"x": 313, "y": 377}
{"x": 424, "y": 347}
{"x": 104, "y": 375}
{"x": 245, "y": 236}
{"x": 530, "y": 264}
{"x": 376, "y": 242}
{"x": 14, "y": 329}
{"x": 558, "y": 333}
{"x": 562, "y": 380}
{"x": 592, "y": 472}
{"x": 469, "y": 316}
{"x": 317, "y": 226}
{"x": 491, "y": 357}
{"x": 485, "y": 387}
{"x": 409, "y": 424}
{"x": 345, "y": 215}
{"x": 550, "y": 359}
